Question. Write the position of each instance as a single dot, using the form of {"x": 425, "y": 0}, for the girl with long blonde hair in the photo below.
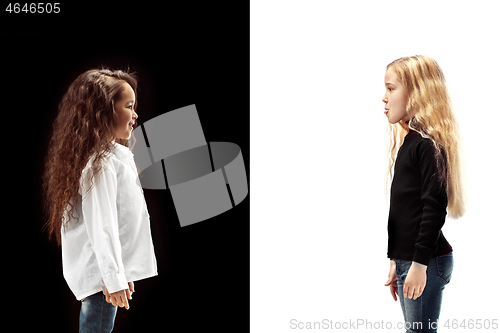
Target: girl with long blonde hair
{"x": 425, "y": 164}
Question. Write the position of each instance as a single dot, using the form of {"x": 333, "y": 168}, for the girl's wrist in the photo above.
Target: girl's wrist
{"x": 419, "y": 265}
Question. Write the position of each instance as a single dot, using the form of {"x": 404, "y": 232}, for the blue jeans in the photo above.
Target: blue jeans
{"x": 421, "y": 315}
{"x": 97, "y": 315}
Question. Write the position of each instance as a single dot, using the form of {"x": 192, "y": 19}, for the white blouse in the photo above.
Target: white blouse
{"x": 108, "y": 238}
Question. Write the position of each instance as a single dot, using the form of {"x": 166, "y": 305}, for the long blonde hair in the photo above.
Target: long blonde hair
{"x": 431, "y": 114}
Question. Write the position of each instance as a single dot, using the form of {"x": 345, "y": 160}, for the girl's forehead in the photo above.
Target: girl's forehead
{"x": 127, "y": 92}
{"x": 391, "y": 76}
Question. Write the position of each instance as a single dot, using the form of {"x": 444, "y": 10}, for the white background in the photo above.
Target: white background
{"x": 318, "y": 156}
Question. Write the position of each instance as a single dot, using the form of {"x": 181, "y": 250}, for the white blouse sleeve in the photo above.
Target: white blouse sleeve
{"x": 101, "y": 223}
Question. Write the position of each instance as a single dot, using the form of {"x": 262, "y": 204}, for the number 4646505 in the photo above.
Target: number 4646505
{"x": 34, "y": 8}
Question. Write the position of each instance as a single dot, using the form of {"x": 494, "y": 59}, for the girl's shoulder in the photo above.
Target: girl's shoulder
{"x": 110, "y": 161}
{"x": 420, "y": 147}
{"x": 99, "y": 164}
{"x": 416, "y": 139}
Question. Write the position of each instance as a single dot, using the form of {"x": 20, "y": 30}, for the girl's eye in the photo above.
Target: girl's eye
{"x": 129, "y": 107}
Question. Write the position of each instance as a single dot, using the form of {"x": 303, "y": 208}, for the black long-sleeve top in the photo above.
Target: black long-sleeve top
{"x": 418, "y": 204}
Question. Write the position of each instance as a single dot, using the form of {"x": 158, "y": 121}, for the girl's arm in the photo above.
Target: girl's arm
{"x": 101, "y": 222}
{"x": 434, "y": 202}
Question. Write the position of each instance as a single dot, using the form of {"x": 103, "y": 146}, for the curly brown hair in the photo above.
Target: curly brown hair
{"x": 84, "y": 126}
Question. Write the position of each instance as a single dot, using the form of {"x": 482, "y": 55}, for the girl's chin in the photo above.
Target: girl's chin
{"x": 394, "y": 121}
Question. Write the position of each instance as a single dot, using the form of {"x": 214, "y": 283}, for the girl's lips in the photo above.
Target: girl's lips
{"x": 386, "y": 110}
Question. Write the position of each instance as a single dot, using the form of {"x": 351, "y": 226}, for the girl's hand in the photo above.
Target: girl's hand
{"x": 415, "y": 281}
{"x": 392, "y": 281}
{"x": 131, "y": 288}
{"x": 119, "y": 298}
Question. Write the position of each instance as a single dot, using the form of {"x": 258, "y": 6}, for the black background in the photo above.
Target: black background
{"x": 195, "y": 54}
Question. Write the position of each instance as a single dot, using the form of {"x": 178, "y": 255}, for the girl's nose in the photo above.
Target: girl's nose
{"x": 384, "y": 99}
{"x": 134, "y": 115}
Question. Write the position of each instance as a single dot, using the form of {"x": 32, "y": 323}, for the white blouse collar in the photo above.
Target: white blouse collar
{"x": 120, "y": 150}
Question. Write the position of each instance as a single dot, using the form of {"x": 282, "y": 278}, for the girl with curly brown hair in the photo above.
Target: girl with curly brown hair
{"x": 95, "y": 206}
